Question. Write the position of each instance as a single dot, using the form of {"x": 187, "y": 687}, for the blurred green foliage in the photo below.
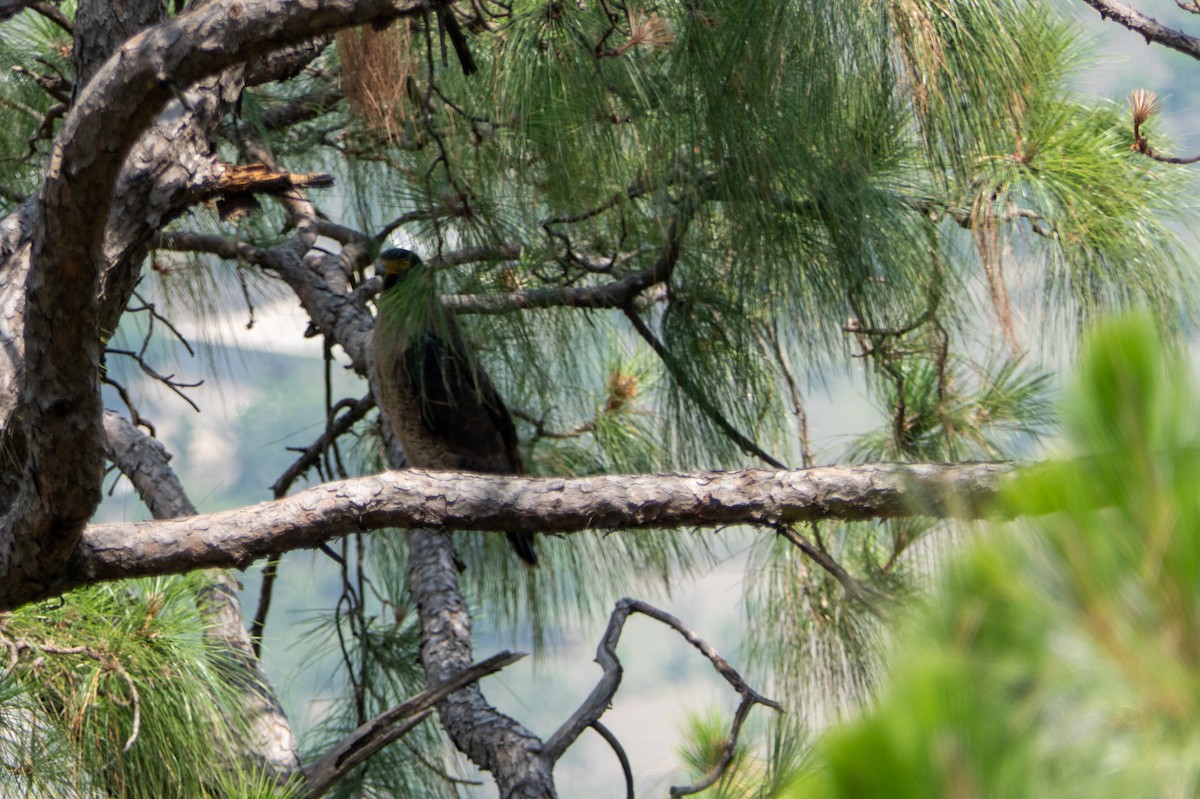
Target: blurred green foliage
{"x": 1061, "y": 654}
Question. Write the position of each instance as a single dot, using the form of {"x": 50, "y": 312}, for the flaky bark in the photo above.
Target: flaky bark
{"x": 144, "y": 461}
{"x": 494, "y": 742}
{"x": 56, "y": 250}
{"x": 414, "y": 499}
{"x": 135, "y": 149}
{"x": 1151, "y": 29}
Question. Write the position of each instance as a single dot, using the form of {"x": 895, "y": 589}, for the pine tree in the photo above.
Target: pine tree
{"x": 656, "y": 225}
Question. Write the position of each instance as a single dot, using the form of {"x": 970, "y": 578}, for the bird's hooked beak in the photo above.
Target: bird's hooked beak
{"x": 394, "y": 265}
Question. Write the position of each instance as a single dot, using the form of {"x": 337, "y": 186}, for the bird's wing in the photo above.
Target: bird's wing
{"x": 460, "y": 406}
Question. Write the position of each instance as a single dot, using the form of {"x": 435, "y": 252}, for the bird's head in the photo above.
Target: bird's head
{"x": 395, "y": 266}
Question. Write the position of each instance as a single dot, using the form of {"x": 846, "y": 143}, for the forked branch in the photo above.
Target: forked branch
{"x": 602, "y": 695}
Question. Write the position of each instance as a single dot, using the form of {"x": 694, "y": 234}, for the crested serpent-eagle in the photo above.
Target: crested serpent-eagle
{"x": 440, "y": 402}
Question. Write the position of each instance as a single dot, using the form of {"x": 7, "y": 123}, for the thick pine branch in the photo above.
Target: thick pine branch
{"x": 502, "y": 503}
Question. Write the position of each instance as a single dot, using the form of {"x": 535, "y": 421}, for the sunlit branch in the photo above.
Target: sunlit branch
{"x": 1151, "y": 29}
{"x": 415, "y": 498}
{"x": 229, "y": 249}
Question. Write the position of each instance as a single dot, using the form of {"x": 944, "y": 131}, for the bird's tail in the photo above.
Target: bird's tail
{"x": 522, "y": 544}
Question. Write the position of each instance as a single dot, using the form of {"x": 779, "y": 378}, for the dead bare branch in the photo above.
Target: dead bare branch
{"x": 1151, "y": 29}
{"x": 601, "y": 696}
{"x": 619, "y": 751}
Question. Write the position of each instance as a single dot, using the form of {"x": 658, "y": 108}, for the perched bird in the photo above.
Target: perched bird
{"x": 444, "y": 409}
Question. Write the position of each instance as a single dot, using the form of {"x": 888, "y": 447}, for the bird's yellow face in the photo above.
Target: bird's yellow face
{"x": 394, "y": 265}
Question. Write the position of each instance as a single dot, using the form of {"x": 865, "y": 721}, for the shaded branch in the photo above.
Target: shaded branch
{"x": 619, "y": 751}
{"x": 341, "y": 316}
{"x": 10, "y": 8}
{"x": 292, "y": 112}
{"x": 493, "y": 741}
{"x": 635, "y": 190}
{"x": 286, "y": 62}
{"x": 719, "y": 768}
{"x": 212, "y": 244}
{"x": 853, "y": 588}
{"x": 57, "y": 87}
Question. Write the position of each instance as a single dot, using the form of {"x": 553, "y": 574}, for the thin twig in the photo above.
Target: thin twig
{"x": 540, "y": 430}
{"x": 355, "y": 410}
{"x": 781, "y": 360}
{"x": 853, "y": 587}
{"x": 136, "y": 418}
{"x": 136, "y": 726}
{"x": 1142, "y": 145}
{"x": 150, "y": 308}
{"x": 310, "y": 457}
{"x": 167, "y": 380}
{"x": 722, "y": 765}
{"x": 707, "y": 408}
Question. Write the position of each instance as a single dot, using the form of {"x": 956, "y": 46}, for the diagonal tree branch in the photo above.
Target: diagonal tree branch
{"x": 380, "y": 731}
{"x": 1151, "y": 29}
{"x": 744, "y": 442}
{"x": 853, "y": 588}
